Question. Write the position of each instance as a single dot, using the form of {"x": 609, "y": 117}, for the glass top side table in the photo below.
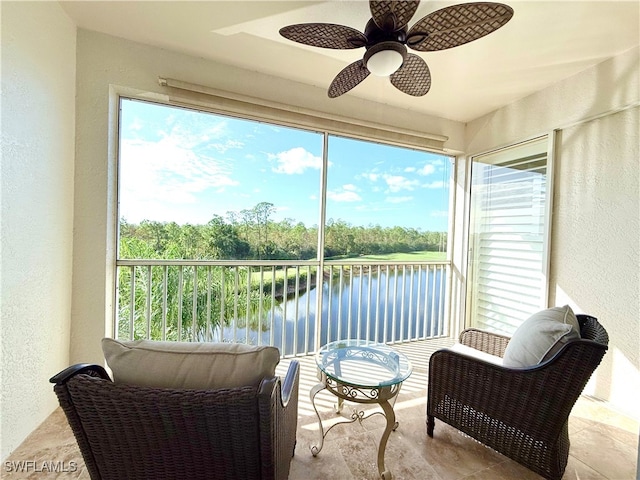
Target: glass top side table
{"x": 362, "y": 372}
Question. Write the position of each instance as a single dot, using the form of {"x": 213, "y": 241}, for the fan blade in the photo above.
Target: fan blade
{"x": 392, "y": 15}
{"x": 456, "y": 25}
{"x": 349, "y": 77}
{"x": 413, "y": 77}
{"x": 325, "y": 35}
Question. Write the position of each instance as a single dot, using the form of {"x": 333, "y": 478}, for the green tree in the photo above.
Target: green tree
{"x": 261, "y": 213}
{"x": 223, "y": 241}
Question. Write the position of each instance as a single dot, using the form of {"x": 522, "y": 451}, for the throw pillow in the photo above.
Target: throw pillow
{"x": 541, "y": 336}
{"x": 183, "y": 365}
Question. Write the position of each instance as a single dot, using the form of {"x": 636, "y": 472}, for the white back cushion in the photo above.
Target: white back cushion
{"x": 184, "y": 365}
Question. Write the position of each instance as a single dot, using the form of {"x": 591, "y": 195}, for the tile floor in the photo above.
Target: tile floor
{"x": 604, "y": 443}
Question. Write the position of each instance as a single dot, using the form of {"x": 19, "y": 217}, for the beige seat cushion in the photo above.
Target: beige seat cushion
{"x": 477, "y": 354}
{"x": 183, "y": 365}
{"x": 541, "y": 336}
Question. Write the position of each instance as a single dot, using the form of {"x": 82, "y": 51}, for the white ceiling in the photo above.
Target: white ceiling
{"x": 546, "y": 41}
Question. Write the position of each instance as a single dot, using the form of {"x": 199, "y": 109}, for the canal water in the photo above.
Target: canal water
{"x": 383, "y": 307}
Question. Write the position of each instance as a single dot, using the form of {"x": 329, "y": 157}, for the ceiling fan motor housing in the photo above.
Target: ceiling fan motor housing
{"x": 387, "y": 47}
{"x": 375, "y": 34}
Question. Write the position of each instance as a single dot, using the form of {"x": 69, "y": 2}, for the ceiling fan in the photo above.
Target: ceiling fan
{"x": 387, "y": 36}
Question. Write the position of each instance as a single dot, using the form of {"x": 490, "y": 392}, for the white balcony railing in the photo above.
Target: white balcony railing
{"x": 276, "y": 303}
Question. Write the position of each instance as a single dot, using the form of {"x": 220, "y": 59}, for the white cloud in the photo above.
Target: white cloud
{"x": 410, "y": 169}
{"x": 343, "y": 196}
{"x": 163, "y": 175}
{"x": 371, "y": 176}
{"x": 227, "y": 145}
{"x": 439, "y": 213}
{"x": 435, "y": 184}
{"x": 398, "y": 199}
{"x": 428, "y": 169}
{"x": 397, "y": 183}
{"x": 350, "y": 187}
{"x": 296, "y": 161}
{"x": 136, "y": 125}
{"x": 189, "y": 134}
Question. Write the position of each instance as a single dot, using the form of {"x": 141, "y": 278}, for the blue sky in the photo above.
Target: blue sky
{"x": 185, "y": 166}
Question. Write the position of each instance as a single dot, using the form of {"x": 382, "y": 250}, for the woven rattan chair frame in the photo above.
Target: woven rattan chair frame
{"x": 521, "y": 413}
{"x": 139, "y": 433}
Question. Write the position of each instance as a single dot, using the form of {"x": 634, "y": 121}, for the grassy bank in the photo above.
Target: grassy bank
{"x": 421, "y": 256}
{"x": 267, "y": 281}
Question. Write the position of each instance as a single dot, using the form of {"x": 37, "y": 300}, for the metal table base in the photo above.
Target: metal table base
{"x": 383, "y": 396}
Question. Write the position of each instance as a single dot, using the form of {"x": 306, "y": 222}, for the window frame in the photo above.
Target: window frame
{"x": 468, "y": 321}
{"x": 410, "y": 140}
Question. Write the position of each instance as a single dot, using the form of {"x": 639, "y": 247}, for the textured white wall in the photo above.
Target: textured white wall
{"x": 596, "y": 242}
{"x": 595, "y": 255}
{"x": 106, "y": 64}
{"x": 38, "y": 121}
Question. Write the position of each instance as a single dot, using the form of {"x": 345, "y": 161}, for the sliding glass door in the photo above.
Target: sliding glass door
{"x": 509, "y": 235}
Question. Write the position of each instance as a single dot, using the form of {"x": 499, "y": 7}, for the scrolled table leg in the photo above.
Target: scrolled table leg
{"x": 315, "y": 449}
{"x": 391, "y": 425}
{"x": 339, "y": 404}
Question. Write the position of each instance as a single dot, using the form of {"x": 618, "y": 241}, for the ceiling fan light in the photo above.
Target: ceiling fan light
{"x": 385, "y": 58}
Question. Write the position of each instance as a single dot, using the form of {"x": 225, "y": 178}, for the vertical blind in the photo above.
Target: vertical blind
{"x": 508, "y": 236}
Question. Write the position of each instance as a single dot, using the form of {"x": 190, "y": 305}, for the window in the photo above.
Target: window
{"x": 509, "y": 235}
{"x": 196, "y": 185}
{"x": 239, "y": 230}
{"x": 383, "y": 199}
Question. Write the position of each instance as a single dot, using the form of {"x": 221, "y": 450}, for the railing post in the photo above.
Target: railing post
{"x": 148, "y": 312}
{"x": 132, "y": 305}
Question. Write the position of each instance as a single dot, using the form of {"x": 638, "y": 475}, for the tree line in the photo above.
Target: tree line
{"x": 252, "y": 234}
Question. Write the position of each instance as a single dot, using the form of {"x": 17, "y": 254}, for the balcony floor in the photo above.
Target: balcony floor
{"x": 349, "y": 451}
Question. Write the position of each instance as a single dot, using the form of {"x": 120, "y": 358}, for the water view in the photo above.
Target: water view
{"x": 385, "y": 306}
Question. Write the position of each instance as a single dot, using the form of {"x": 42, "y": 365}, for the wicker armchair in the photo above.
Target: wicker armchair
{"x": 521, "y": 413}
{"x": 132, "y": 432}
